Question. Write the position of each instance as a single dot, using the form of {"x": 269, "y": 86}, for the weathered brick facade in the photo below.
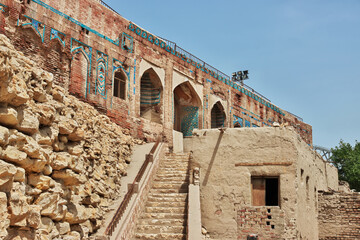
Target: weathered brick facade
{"x": 83, "y": 43}
{"x": 339, "y": 215}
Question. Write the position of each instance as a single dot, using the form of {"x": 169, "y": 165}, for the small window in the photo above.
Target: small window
{"x": 119, "y": 85}
{"x": 265, "y": 191}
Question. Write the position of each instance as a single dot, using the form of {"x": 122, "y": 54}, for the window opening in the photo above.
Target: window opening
{"x": 265, "y": 191}
{"x": 119, "y": 85}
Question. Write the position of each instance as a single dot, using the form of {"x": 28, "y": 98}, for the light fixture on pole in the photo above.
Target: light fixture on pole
{"x": 240, "y": 76}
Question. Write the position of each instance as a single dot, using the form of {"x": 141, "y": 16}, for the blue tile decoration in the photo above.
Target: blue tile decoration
{"x": 190, "y": 121}
{"x": 254, "y": 125}
{"x": 238, "y": 120}
{"x": 129, "y": 39}
{"x": 36, "y": 25}
{"x": 3, "y": 7}
{"x": 41, "y": 3}
{"x": 247, "y": 123}
{"x": 101, "y": 70}
{"x": 55, "y": 34}
{"x": 80, "y": 47}
{"x": 149, "y": 95}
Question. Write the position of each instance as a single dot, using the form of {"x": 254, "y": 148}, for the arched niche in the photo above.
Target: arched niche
{"x": 187, "y": 106}
{"x": 119, "y": 84}
{"x": 151, "y": 96}
{"x": 218, "y": 117}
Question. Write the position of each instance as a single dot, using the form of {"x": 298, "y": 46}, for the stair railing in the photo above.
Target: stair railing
{"x": 133, "y": 188}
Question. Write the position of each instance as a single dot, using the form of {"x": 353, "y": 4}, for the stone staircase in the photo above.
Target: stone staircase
{"x": 165, "y": 213}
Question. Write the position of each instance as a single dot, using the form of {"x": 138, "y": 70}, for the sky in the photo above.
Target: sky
{"x": 302, "y": 55}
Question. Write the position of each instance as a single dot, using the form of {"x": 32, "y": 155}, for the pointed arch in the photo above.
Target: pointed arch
{"x": 218, "y": 116}
{"x": 187, "y": 104}
{"x": 151, "y": 96}
{"x": 119, "y": 84}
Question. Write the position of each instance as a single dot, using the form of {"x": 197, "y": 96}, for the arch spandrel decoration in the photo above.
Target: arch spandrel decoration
{"x": 101, "y": 71}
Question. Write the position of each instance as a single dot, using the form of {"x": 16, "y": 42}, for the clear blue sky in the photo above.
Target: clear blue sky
{"x": 302, "y": 55}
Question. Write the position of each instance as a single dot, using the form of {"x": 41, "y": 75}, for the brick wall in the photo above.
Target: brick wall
{"x": 339, "y": 215}
{"x": 267, "y": 222}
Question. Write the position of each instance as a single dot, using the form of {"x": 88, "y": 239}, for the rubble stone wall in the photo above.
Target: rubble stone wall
{"x": 339, "y": 215}
{"x": 61, "y": 161}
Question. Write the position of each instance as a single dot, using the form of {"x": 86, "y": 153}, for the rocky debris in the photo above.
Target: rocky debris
{"x": 61, "y": 161}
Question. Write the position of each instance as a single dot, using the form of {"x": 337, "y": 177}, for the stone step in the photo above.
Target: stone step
{"x": 174, "y": 175}
{"x": 170, "y": 185}
{"x": 179, "y": 210}
{"x": 166, "y": 204}
{"x": 171, "y": 169}
{"x": 160, "y": 229}
{"x": 167, "y": 191}
{"x": 171, "y": 181}
{"x": 160, "y": 236}
{"x": 184, "y": 179}
{"x": 167, "y": 198}
{"x": 163, "y": 222}
{"x": 164, "y": 171}
{"x": 164, "y": 216}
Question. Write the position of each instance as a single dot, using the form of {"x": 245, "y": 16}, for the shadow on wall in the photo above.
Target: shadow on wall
{"x": 206, "y": 178}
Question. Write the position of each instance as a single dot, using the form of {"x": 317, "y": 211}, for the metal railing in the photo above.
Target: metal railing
{"x": 299, "y": 118}
{"x": 120, "y": 211}
{"x": 104, "y": 3}
{"x": 188, "y": 55}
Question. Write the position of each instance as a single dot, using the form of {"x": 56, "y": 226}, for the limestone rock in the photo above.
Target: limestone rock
{"x": 4, "y": 220}
{"x": 77, "y": 213}
{"x": 39, "y": 181}
{"x": 8, "y": 116}
{"x": 7, "y": 172}
{"x": 19, "y": 207}
{"x": 12, "y": 154}
{"x": 69, "y": 177}
{"x": 46, "y": 135}
{"x": 66, "y": 125}
{"x": 51, "y": 206}
{"x": 34, "y": 218}
{"x": 28, "y": 122}
{"x": 77, "y": 135}
{"x": 4, "y": 135}
{"x": 47, "y": 224}
{"x": 61, "y": 160}
{"x": 19, "y": 175}
{"x": 63, "y": 227}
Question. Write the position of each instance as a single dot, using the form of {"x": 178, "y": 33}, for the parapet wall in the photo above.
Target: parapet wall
{"x": 84, "y": 44}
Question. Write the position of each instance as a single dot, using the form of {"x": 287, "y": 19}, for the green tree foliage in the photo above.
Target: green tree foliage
{"x": 347, "y": 160}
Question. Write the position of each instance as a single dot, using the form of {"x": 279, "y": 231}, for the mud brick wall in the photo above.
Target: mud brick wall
{"x": 339, "y": 215}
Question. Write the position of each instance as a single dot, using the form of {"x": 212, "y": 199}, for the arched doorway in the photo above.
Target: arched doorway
{"x": 186, "y": 109}
{"x": 151, "y": 96}
{"x": 217, "y": 116}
